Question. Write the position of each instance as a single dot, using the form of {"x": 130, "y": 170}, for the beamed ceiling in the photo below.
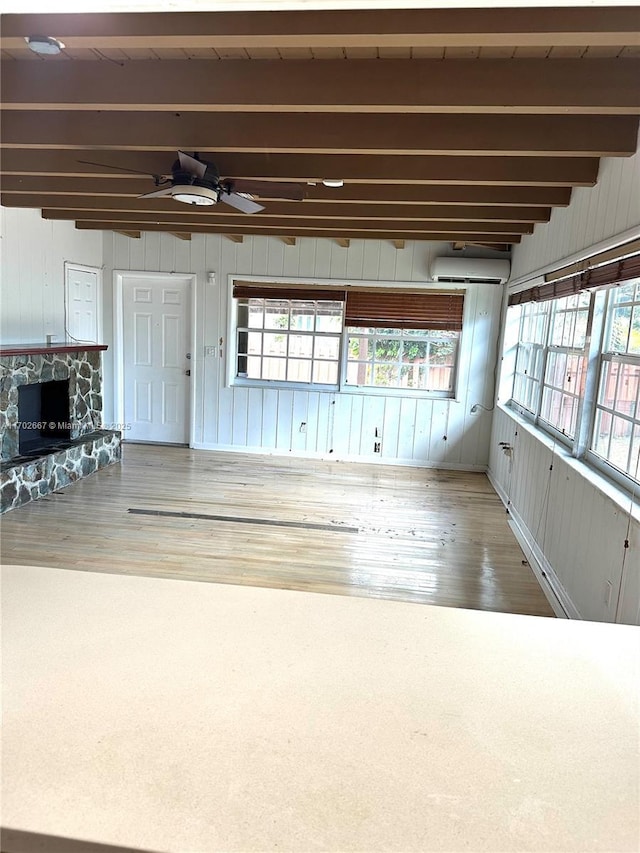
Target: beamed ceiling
{"x": 466, "y": 125}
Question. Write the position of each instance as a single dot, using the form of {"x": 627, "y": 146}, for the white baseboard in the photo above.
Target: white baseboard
{"x": 335, "y": 457}
{"x": 556, "y": 594}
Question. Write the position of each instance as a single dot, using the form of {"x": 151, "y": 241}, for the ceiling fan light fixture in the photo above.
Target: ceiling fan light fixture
{"x": 335, "y": 183}
{"x": 44, "y": 45}
{"x": 202, "y": 196}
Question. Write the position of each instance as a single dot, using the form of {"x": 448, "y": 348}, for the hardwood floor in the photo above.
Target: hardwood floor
{"x": 411, "y": 534}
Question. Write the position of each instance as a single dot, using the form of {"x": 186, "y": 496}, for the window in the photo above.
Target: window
{"x": 290, "y": 340}
{"x": 402, "y": 358}
{"x": 400, "y": 340}
{"x": 361, "y": 339}
{"x": 577, "y": 365}
{"x": 528, "y": 371}
{"x": 550, "y": 371}
{"x": 564, "y": 373}
{"x": 616, "y": 432}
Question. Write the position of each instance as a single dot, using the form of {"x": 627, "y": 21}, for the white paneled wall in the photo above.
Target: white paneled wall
{"x": 576, "y": 529}
{"x": 32, "y": 274}
{"x": 576, "y": 523}
{"x": 341, "y": 425}
{"x": 595, "y": 213}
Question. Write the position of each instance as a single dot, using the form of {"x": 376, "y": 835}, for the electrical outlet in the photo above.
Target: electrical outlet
{"x": 211, "y": 351}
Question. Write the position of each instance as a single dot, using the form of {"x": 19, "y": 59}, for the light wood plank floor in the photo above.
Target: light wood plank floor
{"x": 421, "y": 535}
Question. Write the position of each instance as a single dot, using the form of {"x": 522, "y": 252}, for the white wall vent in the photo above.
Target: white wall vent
{"x": 470, "y": 270}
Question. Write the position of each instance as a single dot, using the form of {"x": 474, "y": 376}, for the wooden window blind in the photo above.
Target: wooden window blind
{"x": 612, "y": 274}
{"x": 257, "y": 290}
{"x": 390, "y": 310}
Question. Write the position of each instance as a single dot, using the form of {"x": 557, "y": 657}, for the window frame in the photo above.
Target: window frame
{"x": 607, "y": 355}
{"x": 601, "y": 310}
{"x": 342, "y": 387}
{"x": 287, "y": 383}
{"x": 597, "y": 459}
{"x": 354, "y": 332}
{"x": 546, "y": 348}
{"x": 567, "y": 350}
{"x": 534, "y": 349}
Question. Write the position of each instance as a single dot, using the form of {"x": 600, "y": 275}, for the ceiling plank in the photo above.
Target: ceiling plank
{"x": 487, "y": 135}
{"x": 601, "y": 86}
{"x": 493, "y": 171}
{"x": 350, "y": 193}
{"x": 306, "y": 209}
{"x": 329, "y": 28}
{"x": 290, "y": 222}
{"x": 341, "y": 233}
{"x": 498, "y": 247}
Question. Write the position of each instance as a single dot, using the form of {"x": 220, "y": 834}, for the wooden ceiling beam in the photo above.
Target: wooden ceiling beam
{"x": 133, "y": 235}
{"x": 304, "y": 209}
{"x": 352, "y": 194}
{"x": 235, "y": 238}
{"x": 352, "y": 234}
{"x": 288, "y": 223}
{"x": 343, "y": 242}
{"x": 286, "y": 133}
{"x": 507, "y": 172}
{"x": 398, "y": 244}
{"x": 289, "y": 241}
{"x": 472, "y": 153}
{"x": 599, "y": 86}
{"x": 181, "y": 235}
{"x": 328, "y": 28}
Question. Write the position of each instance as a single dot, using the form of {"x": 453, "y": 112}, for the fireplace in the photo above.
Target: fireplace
{"x": 51, "y": 430}
{"x": 43, "y": 416}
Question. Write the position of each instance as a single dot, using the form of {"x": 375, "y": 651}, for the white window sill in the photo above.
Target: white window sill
{"x": 345, "y": 389}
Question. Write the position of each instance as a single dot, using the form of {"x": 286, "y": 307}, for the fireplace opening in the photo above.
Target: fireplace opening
{"x": 43, "y": 413}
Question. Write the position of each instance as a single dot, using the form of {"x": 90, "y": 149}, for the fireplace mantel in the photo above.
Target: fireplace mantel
{"x": 53, "y": 348}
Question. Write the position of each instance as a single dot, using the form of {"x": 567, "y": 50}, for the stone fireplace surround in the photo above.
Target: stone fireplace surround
{"x": 89, "y": 448}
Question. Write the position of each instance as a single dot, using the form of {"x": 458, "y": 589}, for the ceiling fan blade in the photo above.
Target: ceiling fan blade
{"x": 157, "y": 193}
{"x": 246, "y": 205}
{"x": 267, "y": 189}
{"x": 191, "y": 165}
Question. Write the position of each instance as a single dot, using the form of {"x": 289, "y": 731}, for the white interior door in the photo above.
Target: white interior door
{"x": 83, "y": 296}
{"x": 156, "y": 344}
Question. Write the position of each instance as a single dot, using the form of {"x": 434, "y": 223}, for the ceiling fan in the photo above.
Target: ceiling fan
{"x": 196, "y": 181}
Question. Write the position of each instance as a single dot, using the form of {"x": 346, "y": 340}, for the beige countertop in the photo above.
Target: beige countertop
{"x": 165, "y": 715}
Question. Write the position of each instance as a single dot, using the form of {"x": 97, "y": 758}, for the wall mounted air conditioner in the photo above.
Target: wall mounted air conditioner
{"x": 470, "y": 270}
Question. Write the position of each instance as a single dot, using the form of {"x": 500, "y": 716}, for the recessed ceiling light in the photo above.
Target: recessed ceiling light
{"x": 45, "y": 45}
{"x": 333, "y": 182}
